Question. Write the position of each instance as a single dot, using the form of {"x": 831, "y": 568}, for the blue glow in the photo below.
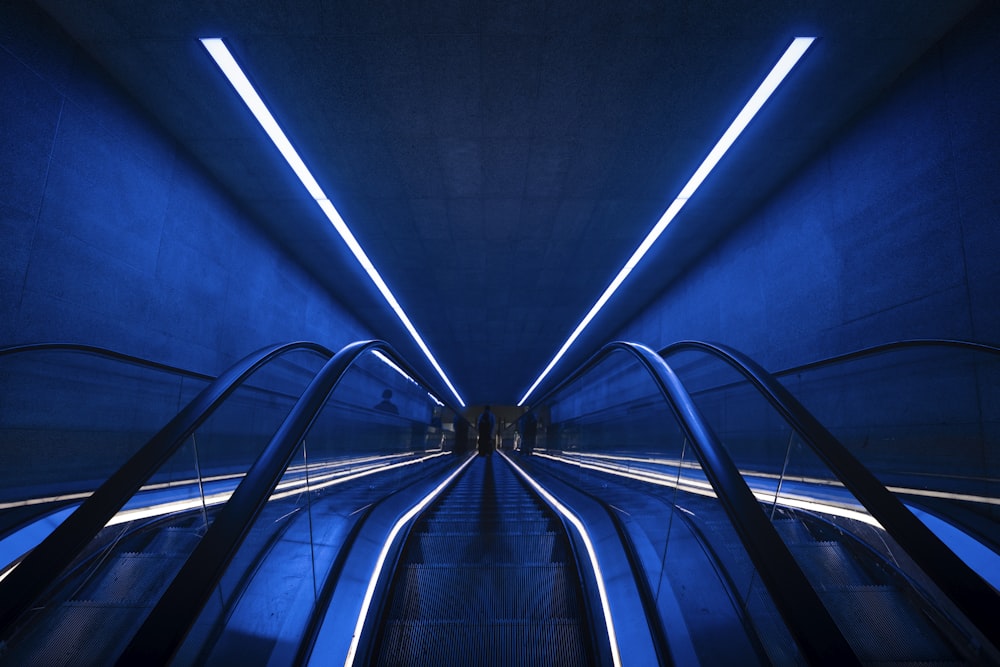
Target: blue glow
{"x": 770, "y": 83}
{"x": 224, "y": 59}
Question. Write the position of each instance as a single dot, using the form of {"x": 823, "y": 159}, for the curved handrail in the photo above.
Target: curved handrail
{"x": 164, "y": 629}
{"x": 970, "y": 593}
{"x": 809, "y": 621}
{"x": 102, "y": 352}
{"x": 26, "y": 582}
{"x": 888, "y": 347}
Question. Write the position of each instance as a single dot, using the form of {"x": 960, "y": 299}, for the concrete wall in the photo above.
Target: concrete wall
{"x": 891, "y": 232}
{"x": 110, "y": 235}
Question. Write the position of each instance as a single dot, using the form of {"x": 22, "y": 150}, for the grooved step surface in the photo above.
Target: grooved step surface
{"x": 486, "y": 577}
{"x": 883, "y": 627}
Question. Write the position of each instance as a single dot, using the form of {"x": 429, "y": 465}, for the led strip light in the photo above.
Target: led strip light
{"x": 224, "y": 59}
{"x": 780, "y": 70}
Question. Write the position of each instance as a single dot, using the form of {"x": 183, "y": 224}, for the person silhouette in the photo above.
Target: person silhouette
{"x": 485, "y": 425}
{"x": 386, "y": 404}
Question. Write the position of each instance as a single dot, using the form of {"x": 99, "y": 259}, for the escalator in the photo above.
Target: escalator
{"x": 487, "y": 572}
{"x": 486, "y": 576}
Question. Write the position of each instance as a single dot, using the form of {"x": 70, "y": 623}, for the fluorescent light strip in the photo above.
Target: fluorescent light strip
{"x": 750, "y": 109}
{"x": 384, "y": 553}
{"x": 224, "y": 59}
{"x": 591, "y": 553}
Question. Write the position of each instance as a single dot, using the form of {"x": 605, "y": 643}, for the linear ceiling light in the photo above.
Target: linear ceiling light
{"x": 224, "y": 59}
{"x": 768, "y": 86}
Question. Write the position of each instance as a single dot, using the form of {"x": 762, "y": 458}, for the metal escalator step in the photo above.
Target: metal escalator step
{"x": 444, "y": 524}
{"x": 472, "y": 547}
{"x": 475, "y": 593}
{"x": 138, "y": 578}
{"x": 829, "y": 565}
{"x": 433, "y": 643}
{"x": 78, "y": 633}
{"x": 884, "y": 627}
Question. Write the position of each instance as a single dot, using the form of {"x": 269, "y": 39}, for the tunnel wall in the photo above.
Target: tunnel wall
{"x": 112, "y": 236}
{"x": 890, "y": 232}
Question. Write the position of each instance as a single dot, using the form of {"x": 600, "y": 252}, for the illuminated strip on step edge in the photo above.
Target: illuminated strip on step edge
{"x": 585, "y": 536}
{"x": 780, "y": 70}
{"x": 234, "y": 73}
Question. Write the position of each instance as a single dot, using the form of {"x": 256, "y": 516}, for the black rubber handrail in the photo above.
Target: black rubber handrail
{"x": 970, "y": 593}
{"x": 805, "y": 615}
{"x": 101, "y": 352}
{"x": 890, "y": 347}
{"x": 165, "y": 628}
{"x": 46, "y": 561}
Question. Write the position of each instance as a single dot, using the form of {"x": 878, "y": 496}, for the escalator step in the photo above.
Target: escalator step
{"x": 132, "y": 577}
{"x": 434, "y": 643}
{"x": 449, "y": 592}
{"x": 67, "y": 635}
{"x": 829, "y": 565}
{"x": 470, "y": 547}
{"x": 446, "y": 524}
{"x": 884, "y": 627}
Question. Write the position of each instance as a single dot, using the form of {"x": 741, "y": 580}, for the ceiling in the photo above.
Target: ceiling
{"x": 499, "y": 160}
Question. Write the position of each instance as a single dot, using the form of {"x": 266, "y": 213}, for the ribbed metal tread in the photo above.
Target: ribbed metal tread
{"x": 132, "y": 578}
{"x": 829, "y": 565}
{"x": 883, "y": 627}
{"x": 496, "y": 547}
{"x": 417, "y": 643}
{"x": 66, "y": 635}
{"x": 476, "y": 593}
{"x": 485, "y": 578}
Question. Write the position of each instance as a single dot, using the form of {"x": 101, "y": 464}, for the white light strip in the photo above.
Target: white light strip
{"x": 380, "y": 562}
{"x": 224, "y": 59}
{"x": 704, "y": 488}
{"x": 750, "y": 109}
{"x": 588, "y": 544}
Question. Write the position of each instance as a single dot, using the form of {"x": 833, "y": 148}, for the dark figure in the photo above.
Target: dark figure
{"x": 485, "y": 426}
{"x": 386, "y": 404}
{"x": 529, "y": 428}
{"x": 461, "y": 434}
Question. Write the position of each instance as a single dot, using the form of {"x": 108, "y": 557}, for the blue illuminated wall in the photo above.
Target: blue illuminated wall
{"x": 892, "y": 231}
{"x": 110, "y": 235}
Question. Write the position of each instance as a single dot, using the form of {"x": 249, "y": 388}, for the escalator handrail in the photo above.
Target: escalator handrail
{"x": 882, "y": 348}
{"x": 98, "y": 351}
{"x": 806, "y": 617}
{"x": 47, "y": 560}
{"x": 165, "y": 628}
{"x": 970, "y": 593}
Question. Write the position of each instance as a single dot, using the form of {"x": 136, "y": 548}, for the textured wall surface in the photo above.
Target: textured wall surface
{"x": 890, "y": 232}
{"x": 109, "y": 234}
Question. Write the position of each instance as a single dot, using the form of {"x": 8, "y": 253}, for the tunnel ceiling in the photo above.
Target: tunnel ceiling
{"x": 500, "y": 160}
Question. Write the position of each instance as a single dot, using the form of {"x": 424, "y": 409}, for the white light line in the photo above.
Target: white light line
{"x": 591, "y": 553}
{"x": 231, "y": 69}
{"x": 780, "y": 70}
{"x": 380, "y": 562}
